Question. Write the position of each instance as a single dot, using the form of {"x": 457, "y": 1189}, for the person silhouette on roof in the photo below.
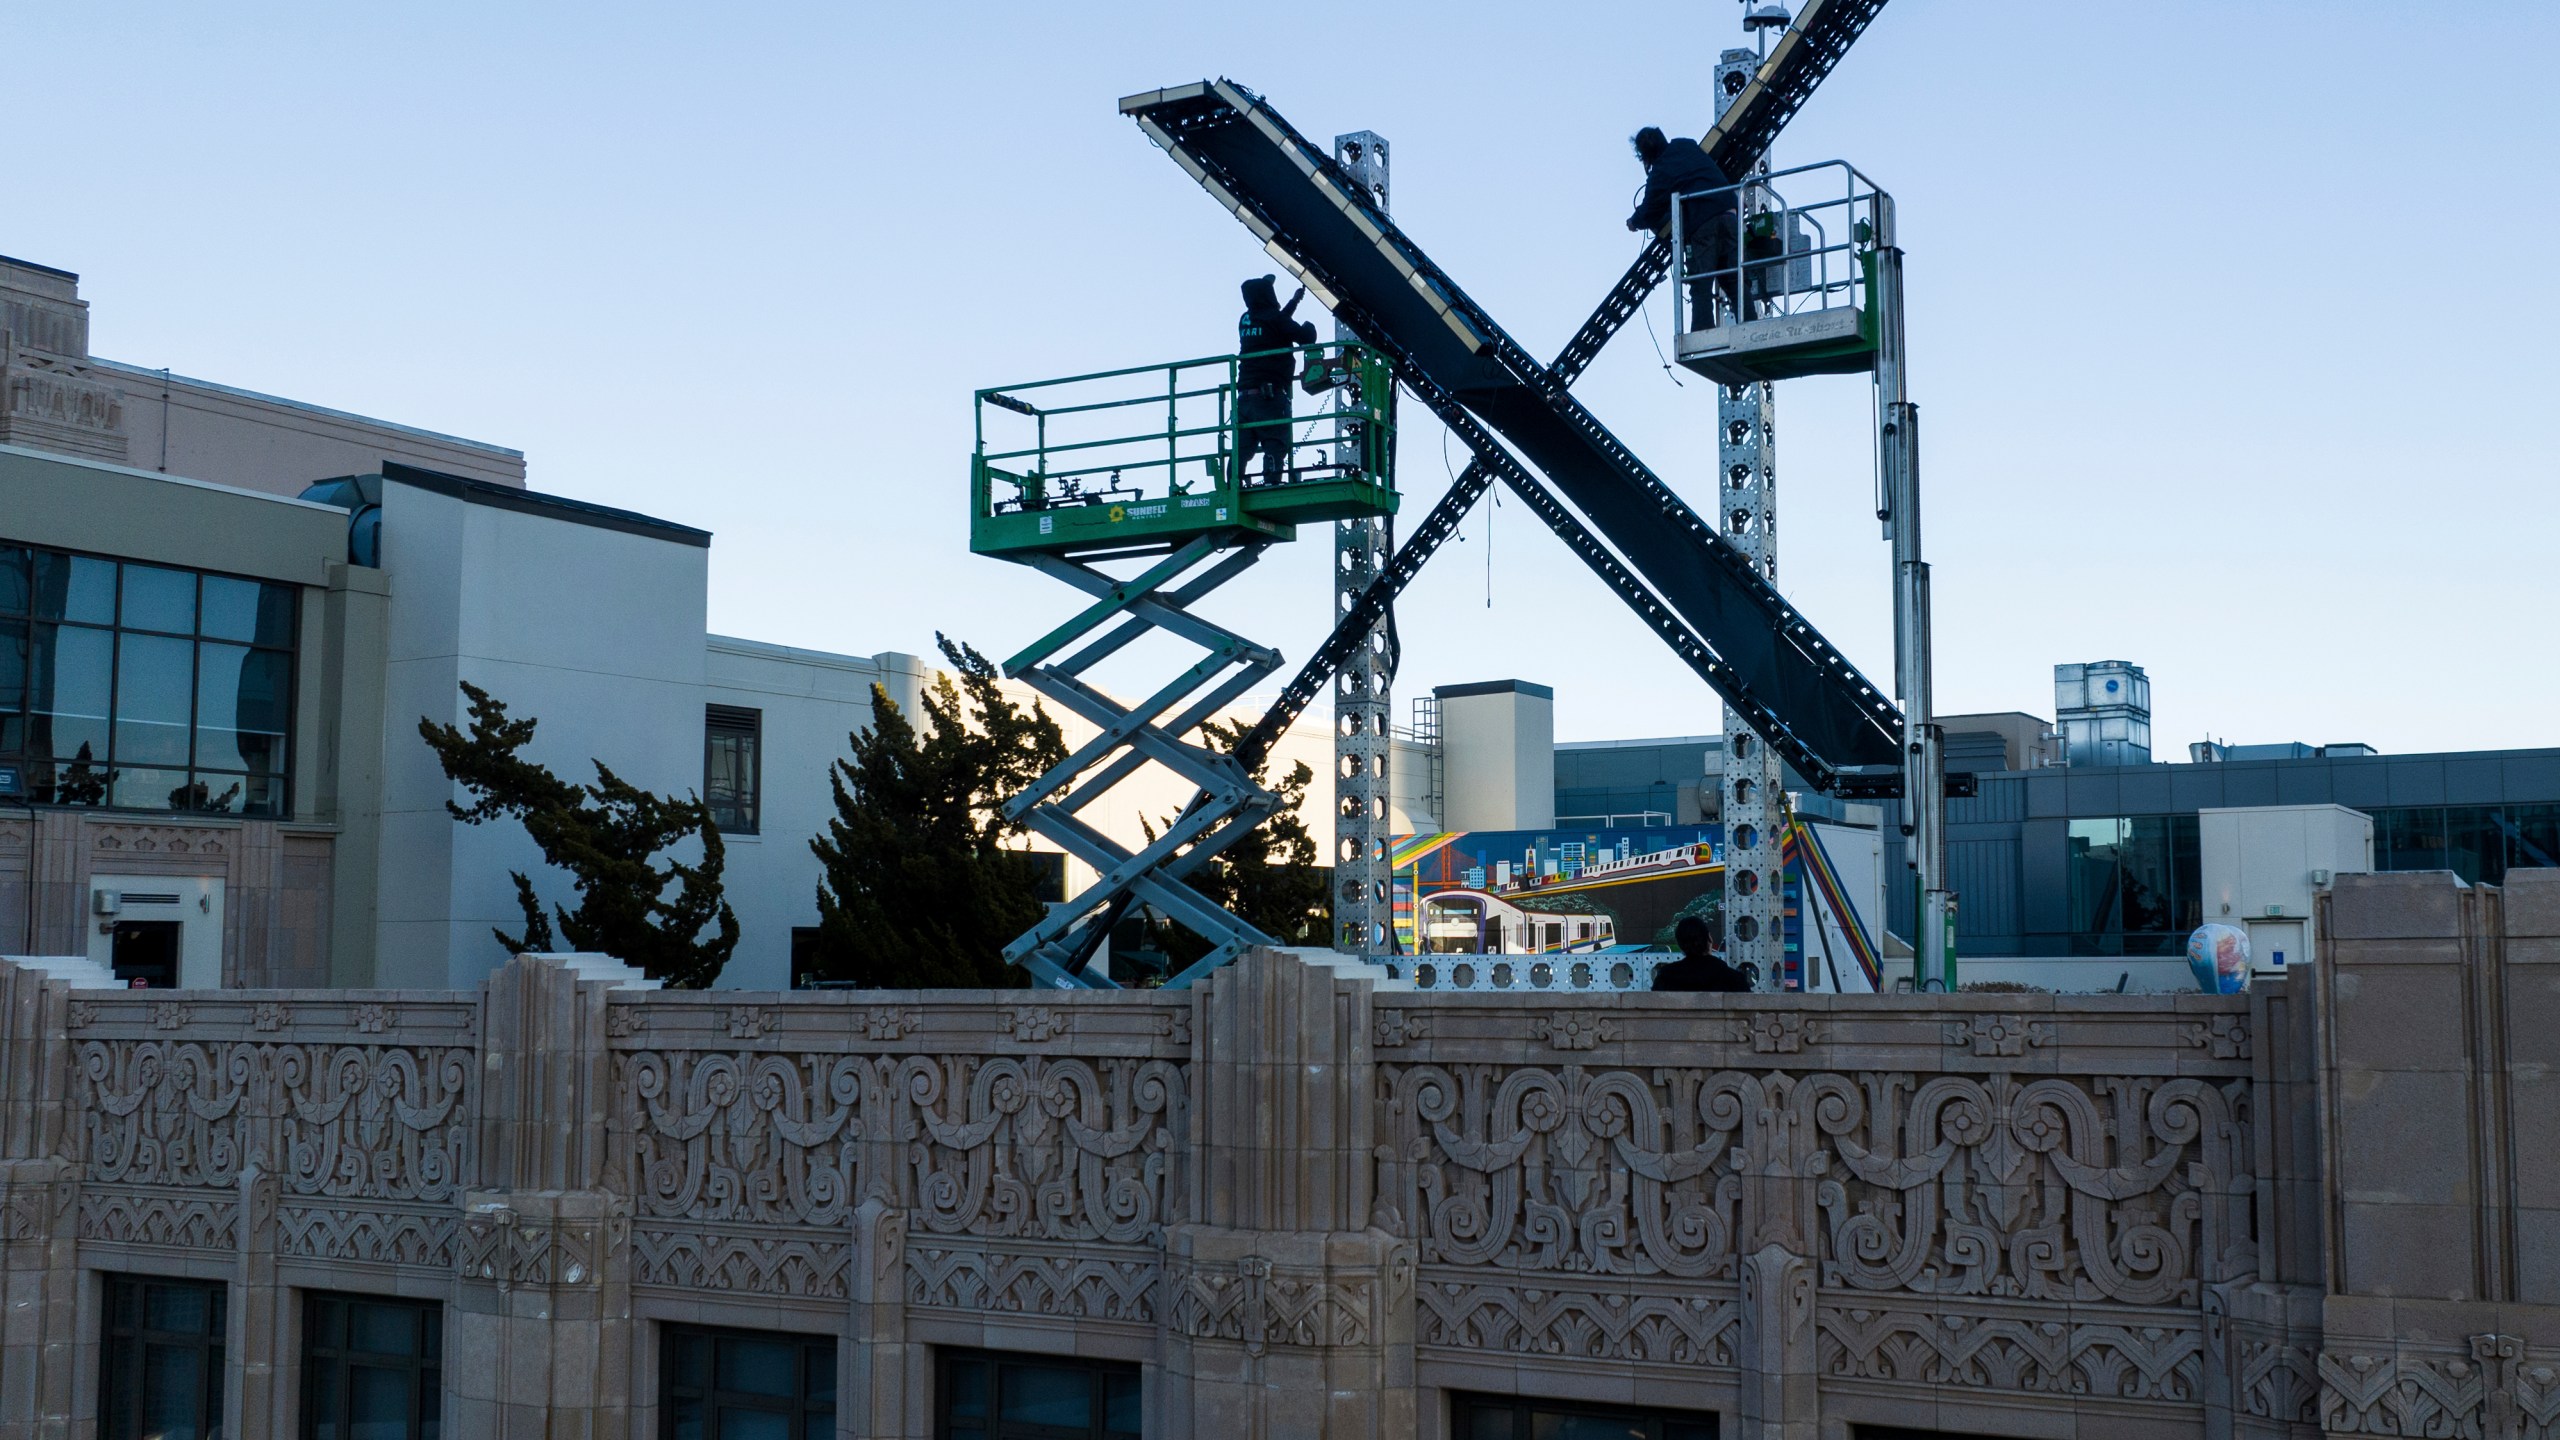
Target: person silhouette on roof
{"x": 1266, "y": 334}
{"x": 1699, "y": 967}
{"x": 1682, "y": 167}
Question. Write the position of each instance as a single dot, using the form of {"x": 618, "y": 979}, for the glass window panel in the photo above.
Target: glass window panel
{"x": 247, "y": 610}
{"x": 687, "y": 1357}
{"x": 187, "y": 1309}
{"x": 377, "y": 1402}
{"x": 159, "y": 599}
{"x": 131, "y": 788}
{"x": 2145, "y": 868}
{"x": 15, "y": 663}
{"x": 2186, "y": 873}
{"x": 1046, "y": 1395}
{"x": 71, "y": 671}
{"x": 757, "y": 1367}
{"x": 1120, "y": 1409}
{"x": 173, "y": 1392}
{"x": 124, "y": 1304}
{"x": 818, "y": 1366}
{"x": 382, "y": 1329}
{"x": 687, "y": 1419}
{"x": 2095, "y": 883}
{"x": 213, "y": 793}
{"x": 738, "y": 1424}
{"x": 327, "y": 1401}
{"x": 818, "y": 1425}
{"x": 967, "y": 1382}
{"x": 2533, "y": 839}
{"x": 1552, "y": 1425}
{"x": 1686, "y": 1430}
{"x": 1485, "y": 1422}
{"x": 2475, "y": 835}
{"x": 75, "y": 587}
{"x": 14, "y": 588}
{"x": 155, "y": 680}
{"x": 243, "y": 697}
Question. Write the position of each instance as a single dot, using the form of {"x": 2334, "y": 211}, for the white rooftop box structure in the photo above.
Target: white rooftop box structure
{"x": 2261, "y": 866}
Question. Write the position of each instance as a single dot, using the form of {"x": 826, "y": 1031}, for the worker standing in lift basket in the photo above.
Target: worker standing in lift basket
{"x": 1265, "y": 337}
{"x": 1683, "y": 167}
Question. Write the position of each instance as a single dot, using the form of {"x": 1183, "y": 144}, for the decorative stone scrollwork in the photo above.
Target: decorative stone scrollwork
{"x": 792, "y": 1266}
{"x": 2115, "y": 1188}
{"x": 1018, "y": 1282}
{"x": 1995, "y": 1036}
{"x": 2056, "y": 1354}
{"x": 1608, "y": 1172}
{"x": 2492, "y": 1392}
{"x": 368, "y": 1121}
{"x": 2112, "y": 1188}
{"x": 375, "y": 1235}
{"x": 1259, "y": 1305}
{"x": 1665, "y": 1329}
{"x": 1393, "y": 1028}
{"x": 1052, "y": 1147}
{"x": 179, "y": 1220}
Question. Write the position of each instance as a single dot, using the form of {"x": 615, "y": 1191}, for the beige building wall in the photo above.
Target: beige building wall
{"x": 56, "y": 396}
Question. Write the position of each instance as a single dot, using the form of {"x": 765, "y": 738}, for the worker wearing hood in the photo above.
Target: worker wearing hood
{"x": 1265, "y": 335}
{"x": 1682, "y": 167}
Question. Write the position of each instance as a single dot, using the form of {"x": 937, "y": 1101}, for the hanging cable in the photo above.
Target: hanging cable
{"x": 1647, "y": 312}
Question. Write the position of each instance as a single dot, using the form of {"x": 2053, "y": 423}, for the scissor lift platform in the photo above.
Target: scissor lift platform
{"x": 1136, "y": 461}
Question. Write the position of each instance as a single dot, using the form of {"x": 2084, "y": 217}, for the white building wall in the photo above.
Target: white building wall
{"x": 596, "y": 633}
{"x": 811, "y": 703}
{"x": 1497, "y": 748}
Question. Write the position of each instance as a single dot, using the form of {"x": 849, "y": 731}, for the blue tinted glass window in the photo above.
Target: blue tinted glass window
{"x": 155, "y": 681}
{"x": 247, "y": 611}
{"x": 70, "y": 682}
{"x": 15, "y": 587}
{"x": 75, "y": 587}
{"x": 159, "y": 599}
{"x": 102, "y": 699}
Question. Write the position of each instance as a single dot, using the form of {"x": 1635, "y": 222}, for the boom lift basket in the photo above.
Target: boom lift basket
{"x": 1139, "y": 461}
{"x": 1775, "y": 277}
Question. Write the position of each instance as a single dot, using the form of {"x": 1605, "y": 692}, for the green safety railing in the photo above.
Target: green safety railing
{"x": 1127, "y": 461}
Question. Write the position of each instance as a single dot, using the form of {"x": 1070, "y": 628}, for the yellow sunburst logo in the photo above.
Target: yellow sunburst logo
{"x": 1119, "y": 513}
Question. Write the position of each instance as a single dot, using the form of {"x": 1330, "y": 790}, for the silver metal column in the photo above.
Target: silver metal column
{"x": 1362, "y": 704}
{"x": 1924, "y": 771}
{"x": 1754, "y": 782}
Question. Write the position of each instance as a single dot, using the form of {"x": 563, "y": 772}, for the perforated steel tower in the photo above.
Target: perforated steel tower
{"x": 1362, "y": 704}
{"x": 1753, "y": 780}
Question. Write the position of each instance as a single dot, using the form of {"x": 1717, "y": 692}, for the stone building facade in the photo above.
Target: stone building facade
{"x": 1290, "y": 1202}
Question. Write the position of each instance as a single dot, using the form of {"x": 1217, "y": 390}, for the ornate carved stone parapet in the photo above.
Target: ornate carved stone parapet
{"x": 2261, "y": 1379}
{"x": 2417, "y": 1368}
{"x": 39, "y": 1294}
{"x": 1288, "y": 1333}
{"x": 875, "y": 1367}
{"x": 540, "y": 1324}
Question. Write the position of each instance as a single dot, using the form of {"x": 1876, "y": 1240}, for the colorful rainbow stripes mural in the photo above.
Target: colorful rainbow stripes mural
{"x": 1806, "y": 857}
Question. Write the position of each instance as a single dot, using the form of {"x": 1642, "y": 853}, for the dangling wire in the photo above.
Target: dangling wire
{"x": 1646, "y": 310}
{"x": 1496, "y": 497}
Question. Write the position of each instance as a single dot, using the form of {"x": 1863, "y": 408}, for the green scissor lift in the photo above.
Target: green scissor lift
{"x": 1143, "y": 463}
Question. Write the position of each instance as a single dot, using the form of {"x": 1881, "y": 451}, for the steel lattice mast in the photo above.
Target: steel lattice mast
{"x": 1362, "y": 703}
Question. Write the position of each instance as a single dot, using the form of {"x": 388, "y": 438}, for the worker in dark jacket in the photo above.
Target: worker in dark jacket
{"x": 1681, "y": 167}
{"x": 1698, "y": 967}
{"x": 1265, "y": 334}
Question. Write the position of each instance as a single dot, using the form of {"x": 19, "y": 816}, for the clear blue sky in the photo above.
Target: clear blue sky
{"x": 2233, "y": 324}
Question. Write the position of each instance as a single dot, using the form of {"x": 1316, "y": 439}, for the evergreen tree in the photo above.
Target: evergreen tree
{"x": 604, "y": 835}
{"x": 1269, "y": 878}
{"x": 919, "y": 889}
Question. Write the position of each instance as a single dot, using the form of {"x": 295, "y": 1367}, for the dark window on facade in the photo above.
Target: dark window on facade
{"x": 980, "y": 1396}
{"x": 732, "y": 766}
{"x": 1485, "y": 1417}
{"x": 2480, "y": 843}
{"x": 745, "y": 1385}
{"x": 372, "y": 1368}
{"x": 144, "y": 687}
{"x": 160, "y": 1370}
{"x": 2136, "y": 885}
{"x": 804, "y": 956}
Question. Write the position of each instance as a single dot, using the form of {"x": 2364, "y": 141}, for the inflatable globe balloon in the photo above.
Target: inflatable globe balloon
{"x": 2219, "y": 956}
